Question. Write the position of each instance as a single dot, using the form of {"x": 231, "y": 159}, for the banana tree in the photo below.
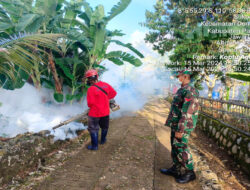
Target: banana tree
{"x": 94, "y": 24}
{"x": 87, "y": 31}
{"x": 87, "y": 37}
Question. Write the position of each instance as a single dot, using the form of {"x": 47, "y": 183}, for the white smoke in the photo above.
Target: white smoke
{"x": 29, "y": 110}
{"x": 135, "y": 85}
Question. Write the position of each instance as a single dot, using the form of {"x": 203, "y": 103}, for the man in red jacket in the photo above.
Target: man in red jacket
{"x": 98, "y": 96}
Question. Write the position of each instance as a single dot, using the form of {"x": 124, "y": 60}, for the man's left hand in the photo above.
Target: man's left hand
{"x": 178, "y": 135}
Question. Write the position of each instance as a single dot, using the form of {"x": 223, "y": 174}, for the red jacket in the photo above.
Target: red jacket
{"x": 98, "y": 101}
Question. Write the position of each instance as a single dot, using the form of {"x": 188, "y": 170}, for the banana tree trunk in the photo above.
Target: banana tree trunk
{"x": 54, "y": 73}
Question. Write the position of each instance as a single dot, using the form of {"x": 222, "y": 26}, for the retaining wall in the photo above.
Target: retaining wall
{"x": 235, "y": 142}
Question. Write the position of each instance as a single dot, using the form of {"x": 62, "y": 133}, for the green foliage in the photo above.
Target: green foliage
{"x": 180, "y": 27}
{"x": 118, "y": 57}
{"x": 129, "y": 46}
{"x": 117, "y": 9}
{"x": 47, "y": 83}
{"x": 20, "y": 76}
{"x": 18, "y": 50}
{"x": 72, "y": 70}
{"x": 94, "y": 26}
{"x": 239, "y": 76}
{"x": 58, "y": 97}
{"x": 82, "y": 45}
{"x": 29, "y": 22}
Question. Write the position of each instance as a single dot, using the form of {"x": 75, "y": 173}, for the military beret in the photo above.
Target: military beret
{"x": 184, "y": 72}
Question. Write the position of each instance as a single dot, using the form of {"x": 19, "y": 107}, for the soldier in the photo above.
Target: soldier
{"x": 182, "y": 121}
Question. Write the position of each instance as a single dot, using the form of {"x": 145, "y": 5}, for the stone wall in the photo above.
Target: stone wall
{"x": 236, "y": 143}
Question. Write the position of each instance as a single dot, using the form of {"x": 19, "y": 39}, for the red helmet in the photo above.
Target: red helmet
{"x": 90, "y": 73}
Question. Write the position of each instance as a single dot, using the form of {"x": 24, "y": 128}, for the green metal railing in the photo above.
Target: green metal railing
{"x": 232, "y": 113}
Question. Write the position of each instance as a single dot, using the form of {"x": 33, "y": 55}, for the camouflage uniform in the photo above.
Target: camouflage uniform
{"x": 183, "y": 118}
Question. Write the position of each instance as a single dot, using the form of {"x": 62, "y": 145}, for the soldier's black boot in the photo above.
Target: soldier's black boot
{"x": 94, "y": 141}
{"x": 173, "y": 171}
{"x": 103, "y": 136}
{"x": 186, "y": 177}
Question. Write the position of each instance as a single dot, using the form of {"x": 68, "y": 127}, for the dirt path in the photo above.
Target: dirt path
{"x": 137, "y": 147}
{"x": 156, "y": 113}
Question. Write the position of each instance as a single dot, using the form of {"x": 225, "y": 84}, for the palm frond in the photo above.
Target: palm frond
{"x": 42, "y": 40}
{"x": 115, "y": 33}
{"x": 116, "y": 61}
{"x": 25, "y": 49}
{"x": 118, "y": 57}
{"x": 129, "y": 46}
{"x": 7, "y": 70}
{"x": 117, "y": 9}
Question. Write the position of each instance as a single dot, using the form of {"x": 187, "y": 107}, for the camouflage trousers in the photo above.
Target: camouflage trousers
{"x": 180, "y": 153}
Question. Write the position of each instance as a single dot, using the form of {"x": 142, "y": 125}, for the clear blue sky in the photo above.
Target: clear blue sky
{"x": 128, "y": 21}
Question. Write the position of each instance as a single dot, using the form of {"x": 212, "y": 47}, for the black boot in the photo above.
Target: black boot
{"x": 94, "y": 141}
{"x": 173, "y": 171}
{"x": 104, "y": 135}
{"x": 186, "y": 177}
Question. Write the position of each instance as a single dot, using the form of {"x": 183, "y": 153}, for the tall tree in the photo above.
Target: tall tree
{"x": 94, "y": 25}
{"x": 187, "y": 29}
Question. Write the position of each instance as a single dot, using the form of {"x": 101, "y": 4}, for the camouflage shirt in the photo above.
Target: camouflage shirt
{"x": 184, "y": 110}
